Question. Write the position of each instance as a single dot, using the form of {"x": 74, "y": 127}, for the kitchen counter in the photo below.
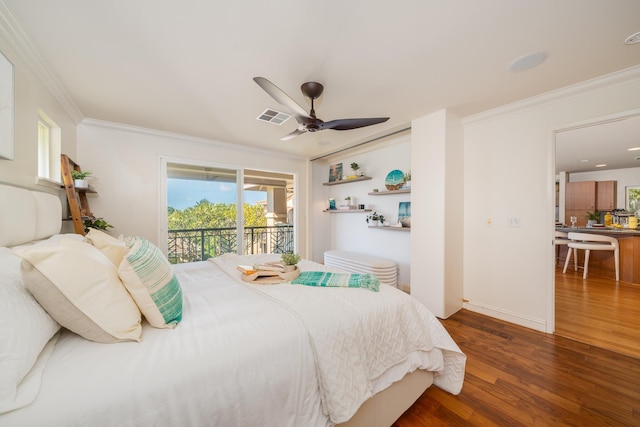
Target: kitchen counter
{"x": 599, "y": 230}
{"x": 601, "y": 263}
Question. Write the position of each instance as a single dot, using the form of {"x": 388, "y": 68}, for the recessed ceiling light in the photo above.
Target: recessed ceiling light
{"x": 633, "y": 38}
{"x": 601, "y": 165}
{"x": 528, "y": 61}
{"x": 584, "y": 161}
{"x": 633, "y": 149}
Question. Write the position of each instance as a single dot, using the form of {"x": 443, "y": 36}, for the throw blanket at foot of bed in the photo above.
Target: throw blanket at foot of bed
{"x": 362, "y": 341}
{"x": 341, "y": 280}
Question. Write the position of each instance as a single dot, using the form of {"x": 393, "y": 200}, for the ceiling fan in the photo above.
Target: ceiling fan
{"x": 308, "y": 122}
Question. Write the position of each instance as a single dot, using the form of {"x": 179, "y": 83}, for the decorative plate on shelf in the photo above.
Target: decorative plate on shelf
{"x": 394, "y": 180}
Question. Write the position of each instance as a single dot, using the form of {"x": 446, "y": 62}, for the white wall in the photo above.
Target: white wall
{"x": 509, "y": 174}
{"x": 437, "y": 236}
{"x": 30, "y": 95}
{"x": 349, "y": 231}
{"x": 126, "y": 163}
{"x": 624, "y": 178}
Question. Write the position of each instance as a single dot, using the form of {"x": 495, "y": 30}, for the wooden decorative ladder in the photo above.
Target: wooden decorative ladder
{"x": 76, "y": 197}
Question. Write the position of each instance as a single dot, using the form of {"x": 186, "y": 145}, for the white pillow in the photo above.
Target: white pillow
{"x": 79, "y": 287}
{"x": 25, "y": 330}
{"x": 150, "y": 280}
{"x": 114, "y": 249}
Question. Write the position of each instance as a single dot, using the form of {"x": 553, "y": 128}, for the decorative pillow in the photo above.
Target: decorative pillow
{"x": 26, "y": 329}
{"x": 148, "y": 276}
{"x": 79, "y": 287}
{"x": 114, "y": 249}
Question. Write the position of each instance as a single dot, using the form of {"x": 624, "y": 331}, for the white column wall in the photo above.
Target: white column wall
{"x": 437, "y": 231}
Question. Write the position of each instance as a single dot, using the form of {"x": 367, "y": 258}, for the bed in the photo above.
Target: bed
{"x": 237, "y": 354}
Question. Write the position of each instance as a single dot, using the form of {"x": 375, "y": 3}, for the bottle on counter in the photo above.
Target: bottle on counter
{"x": 608, "y": 219}
{"x": 633, "y": 222}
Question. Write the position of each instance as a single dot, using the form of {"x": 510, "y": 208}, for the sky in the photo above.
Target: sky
{"x": 182, "y": 193}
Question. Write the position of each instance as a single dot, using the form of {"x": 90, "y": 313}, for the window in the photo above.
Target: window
{"x": 203, "y": 218}
{"x": 49, "y": 148}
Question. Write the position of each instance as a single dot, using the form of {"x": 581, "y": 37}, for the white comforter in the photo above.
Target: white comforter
{"x": 246, "y": 355}
{"x": 363, "y": 341}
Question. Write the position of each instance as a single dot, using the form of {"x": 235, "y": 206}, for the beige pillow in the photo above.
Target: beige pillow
{"x": 150, "y": 280}
{"x": 79, "y": 287}
{"x": 114, "y": 249}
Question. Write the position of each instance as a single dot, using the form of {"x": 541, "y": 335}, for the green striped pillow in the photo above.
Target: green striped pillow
{"x": 150, "y": 280}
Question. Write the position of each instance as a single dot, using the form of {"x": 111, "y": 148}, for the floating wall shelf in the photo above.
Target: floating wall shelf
{"x": 386, "y": 193}
{"x": 345, "y": 181}
{"x": 346, "y": 210}
{"x": 391, "y": 228}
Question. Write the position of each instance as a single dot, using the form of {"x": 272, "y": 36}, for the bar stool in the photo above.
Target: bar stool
{"x": 561, "y": 239}
{"x": 591, "y": 242}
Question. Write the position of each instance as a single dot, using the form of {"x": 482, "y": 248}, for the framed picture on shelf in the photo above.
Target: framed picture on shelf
{"x": 404, "y": 214}
{"x": 335, "y": 172}
{"x": 633, "y": 198}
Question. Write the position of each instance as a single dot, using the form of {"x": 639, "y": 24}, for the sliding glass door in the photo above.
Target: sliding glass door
{"x": 204, "y": 219}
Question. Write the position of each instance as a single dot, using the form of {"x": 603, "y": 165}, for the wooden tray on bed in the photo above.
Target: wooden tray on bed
{"x": 265, "y": 277}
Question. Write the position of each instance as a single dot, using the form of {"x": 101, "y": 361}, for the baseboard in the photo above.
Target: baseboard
{"x": 507, "y": 316}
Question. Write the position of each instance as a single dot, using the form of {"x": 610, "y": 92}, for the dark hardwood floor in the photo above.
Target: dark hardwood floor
{"x": 516, "y": 376}
{"x": 598, "y": 311}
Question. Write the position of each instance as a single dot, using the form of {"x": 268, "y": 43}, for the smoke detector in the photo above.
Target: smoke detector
{"x": 528, "y": 61}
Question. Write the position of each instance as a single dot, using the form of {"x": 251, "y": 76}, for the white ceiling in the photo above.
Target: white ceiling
{"x": 599, "y": 146}
{"x": 187, "y": 66}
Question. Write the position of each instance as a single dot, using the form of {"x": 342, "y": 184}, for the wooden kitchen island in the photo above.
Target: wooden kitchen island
{"x": 601, "y": 263}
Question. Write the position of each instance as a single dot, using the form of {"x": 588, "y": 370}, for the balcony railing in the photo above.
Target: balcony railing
{"x": 203, "y": 243}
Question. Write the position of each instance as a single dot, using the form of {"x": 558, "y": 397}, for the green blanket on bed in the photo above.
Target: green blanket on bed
{"x": 343, "y": 280}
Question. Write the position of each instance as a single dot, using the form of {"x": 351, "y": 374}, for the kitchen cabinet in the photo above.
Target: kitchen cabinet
{"x": 606, "y": 195}
{"x": 588, "y": 196}
{"x": 580, "y": 198}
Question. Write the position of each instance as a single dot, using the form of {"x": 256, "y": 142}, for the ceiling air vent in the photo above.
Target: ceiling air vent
{"x": 273, "y": 116}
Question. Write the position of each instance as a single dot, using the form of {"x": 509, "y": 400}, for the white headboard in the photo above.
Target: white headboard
{"x": 27, "y": 215}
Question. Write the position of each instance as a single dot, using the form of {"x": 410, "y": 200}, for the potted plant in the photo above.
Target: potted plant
{"x": 80, "y": 178}
{"x": 290, "y": 260}
{"x": 355, "y": 168}
{"x": 375, "y": 218}
{"x": 592, "y": 218}
{"x": 407, "y": 179}
{"x": 96, "y": 223}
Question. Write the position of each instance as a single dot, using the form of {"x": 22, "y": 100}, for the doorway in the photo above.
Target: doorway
{"x": 597, "y": 150}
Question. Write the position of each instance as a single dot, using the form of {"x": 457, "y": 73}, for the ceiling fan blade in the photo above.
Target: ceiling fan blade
{"x": 346, "y": 124}
{"x": 280, "y": 96}
{"x": 292, "y": 135}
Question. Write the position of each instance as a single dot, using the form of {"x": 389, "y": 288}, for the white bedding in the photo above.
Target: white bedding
{"x": 245, "y": 355}
{"x": 363, "y": 341}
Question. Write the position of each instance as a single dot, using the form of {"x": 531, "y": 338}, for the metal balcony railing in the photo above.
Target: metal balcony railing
{"x": 203, "y": 243}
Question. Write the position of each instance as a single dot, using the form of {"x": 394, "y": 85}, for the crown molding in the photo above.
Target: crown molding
{"x": 95, "y": 123}
{"x": 608, "y": 80}
{"x": 11, "y": 30}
